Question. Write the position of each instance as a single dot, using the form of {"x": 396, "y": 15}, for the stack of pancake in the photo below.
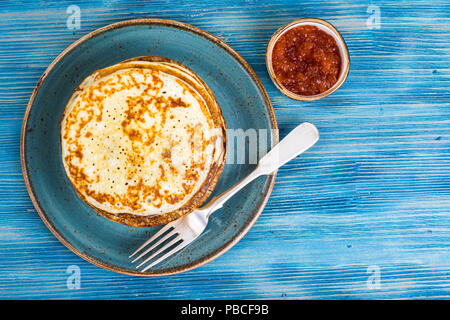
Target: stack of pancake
{"x": 143, "y": 141}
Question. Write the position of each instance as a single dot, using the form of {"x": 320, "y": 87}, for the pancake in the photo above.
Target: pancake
{"x": 143, "y": 141}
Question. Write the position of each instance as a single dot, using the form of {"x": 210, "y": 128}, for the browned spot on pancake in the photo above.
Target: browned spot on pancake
{"x": 187, "y": 187}
{"x": 163, "y": 173}
{"x": 173, "y": 170}
{"x": 134, "y": 135}
{"x": 79, "y": 154}
{"x": 166, "y": 154}
{"x": 191, "y": 175}
{"x": 172, "y": 199}
{"x": 177, "y": 103}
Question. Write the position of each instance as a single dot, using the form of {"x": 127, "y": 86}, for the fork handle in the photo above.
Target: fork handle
{"x": 296, "y": 142}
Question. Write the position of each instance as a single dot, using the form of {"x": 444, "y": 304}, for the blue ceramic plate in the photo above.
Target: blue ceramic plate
{"x": 244, "y": 104}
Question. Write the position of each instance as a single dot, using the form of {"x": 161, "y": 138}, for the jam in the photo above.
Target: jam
{"x": 306, "y": 60}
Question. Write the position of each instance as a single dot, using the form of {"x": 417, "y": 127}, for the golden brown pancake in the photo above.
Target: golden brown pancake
{"x": 143, "y": 141}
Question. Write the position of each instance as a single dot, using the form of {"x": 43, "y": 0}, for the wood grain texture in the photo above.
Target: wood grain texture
{"x": 374, "y": 191}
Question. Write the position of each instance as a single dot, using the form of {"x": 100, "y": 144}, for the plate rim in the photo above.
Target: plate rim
{"x": 148, "y": 21}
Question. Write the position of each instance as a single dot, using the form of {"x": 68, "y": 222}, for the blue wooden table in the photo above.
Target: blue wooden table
{"x": 364, "y": 214}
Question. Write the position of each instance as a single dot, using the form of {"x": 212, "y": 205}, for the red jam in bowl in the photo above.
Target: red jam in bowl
{"x": 306, "y": 60}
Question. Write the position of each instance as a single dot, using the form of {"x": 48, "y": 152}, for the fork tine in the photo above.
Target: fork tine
{"x": 157, "y": 243}
{"x": 159, "y": 233}
{"x": 160, "y": 250}
{"x": 171, "y": 252}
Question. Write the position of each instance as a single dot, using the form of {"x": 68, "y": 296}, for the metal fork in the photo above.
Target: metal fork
{"x": 179, "y": 233}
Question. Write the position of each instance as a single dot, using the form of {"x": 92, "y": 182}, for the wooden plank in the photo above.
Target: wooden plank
{"x": 375, "y": 191}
